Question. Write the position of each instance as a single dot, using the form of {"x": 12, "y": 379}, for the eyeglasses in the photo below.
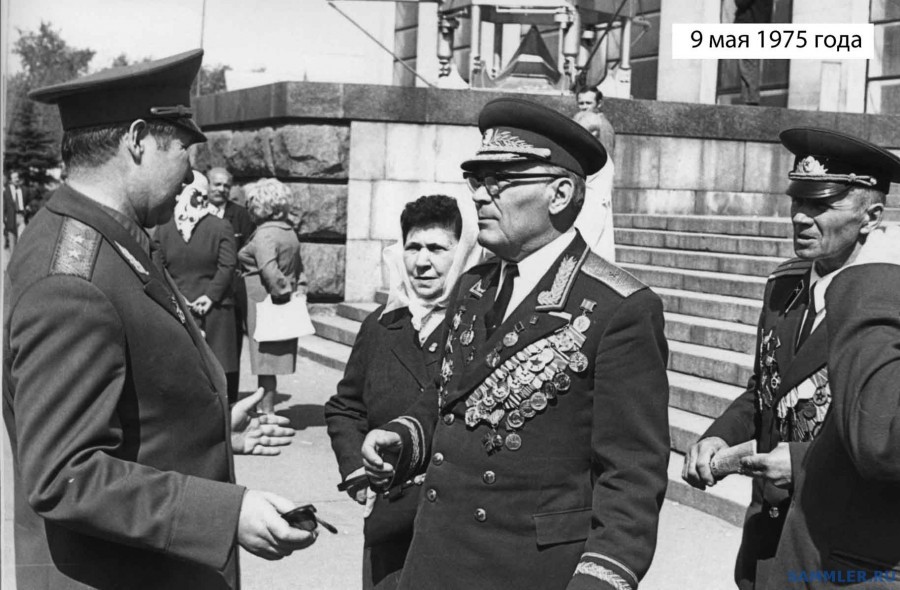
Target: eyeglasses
{"x": 491, "y": 182}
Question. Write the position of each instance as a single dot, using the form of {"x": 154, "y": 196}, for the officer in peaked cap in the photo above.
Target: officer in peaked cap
{"x": 115, "y": 405}
{"x": 546, "y": 456}
{"x": 837, "y": 188}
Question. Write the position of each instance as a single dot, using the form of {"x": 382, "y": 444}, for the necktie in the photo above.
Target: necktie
{"x": 494, "y": 317}
{"x": 810, "y": 318}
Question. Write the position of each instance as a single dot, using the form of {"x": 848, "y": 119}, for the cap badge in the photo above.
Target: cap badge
{"x": 505, "y": 141}
{"x": 811, "y": 167}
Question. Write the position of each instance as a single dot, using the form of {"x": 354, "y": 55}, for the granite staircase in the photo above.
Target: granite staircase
{"x": 710, "y": 272}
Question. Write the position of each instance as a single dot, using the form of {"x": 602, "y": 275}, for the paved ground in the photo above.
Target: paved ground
{"x": 695, "y": 550}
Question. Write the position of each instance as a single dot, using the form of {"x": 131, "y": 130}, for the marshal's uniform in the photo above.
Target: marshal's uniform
{"x": 546, "y": 455}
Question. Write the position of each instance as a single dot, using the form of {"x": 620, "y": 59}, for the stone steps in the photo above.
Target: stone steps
{"x": 700, "y": 396}
{"x": 710, "y": 332}
{"x": 717, "y": 307}
{"x": 356, "y": 311}
{"x": 715, "y": 364}
{"x": 336, "y": 328}
{"x": 772, "y": 227}
{"x": 702, "y": 281}
{"x": 705, "y": 242}
{"x": 755, "y": 266}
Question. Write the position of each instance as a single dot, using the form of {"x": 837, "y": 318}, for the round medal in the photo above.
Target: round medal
{"x": 466, "y": 337}
{"x": 582, "y": 323}
{"x": 513, "y": 441}
{"x": 521, "y": 356}
{"x": 523, "y": 375}
{"x": 538, "y": 401}
{"x": 549, "y": 390}
{"x": 515, "y": 420}
{"x": 488, "y": 401}
{"x": 578, "y": 362}
{"x": 501, "y": 374}
{"x": 546, "y": 355}
{"x": 526, "y": 409}
{"x": 510, "y": 339}
{"x": 562, "y": 382}
{"x": 501, "y": 392}
{"x": 471, "y": 417}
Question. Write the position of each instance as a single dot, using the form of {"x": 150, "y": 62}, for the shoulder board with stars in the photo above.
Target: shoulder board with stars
{"x": 76, "y": 249}
{"x": 614, "y": 277}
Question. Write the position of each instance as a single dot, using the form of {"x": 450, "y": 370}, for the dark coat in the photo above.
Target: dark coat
{"x": 117, "y": 415}
{"x": 578, "y": 502}
{"x": 9, "y": 212}
{"x": 206, "y": 266}
{"x": 749, "y": 417}
{"x": 386, "y": 373}
{"x": 243, "y": 226}
{"x": 845, "y": 520}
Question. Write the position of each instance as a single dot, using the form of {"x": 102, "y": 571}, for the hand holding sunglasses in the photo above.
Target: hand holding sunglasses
{"x": 305, "y": 518}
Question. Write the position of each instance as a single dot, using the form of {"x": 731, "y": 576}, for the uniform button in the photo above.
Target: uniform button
{"x": 449, "y": 419}
{"x": 431, "y": 494}
{"x": 489, "y": 477}
{"x": 438, "y": 458}
{"x": 480, "y": 515}
{"x": 773, "y": 512}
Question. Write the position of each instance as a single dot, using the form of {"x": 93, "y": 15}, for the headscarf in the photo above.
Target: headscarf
{"x": 428, "y": 315}
{"x": 192, "y": 205}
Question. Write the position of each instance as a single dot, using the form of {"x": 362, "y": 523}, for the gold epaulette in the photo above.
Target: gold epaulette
{"x": 794, "y": 266}
{"x": 76, "y": 249}
{"x": 618, "y": 279}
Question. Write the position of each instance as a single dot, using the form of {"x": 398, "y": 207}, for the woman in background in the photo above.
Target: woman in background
{"x": 199, "y": 252}
{"x": 272, "y": 267}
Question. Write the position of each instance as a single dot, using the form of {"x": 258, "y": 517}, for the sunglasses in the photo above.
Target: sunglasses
{"x": 492, "y": 182}
{"x": 305, "y": 518}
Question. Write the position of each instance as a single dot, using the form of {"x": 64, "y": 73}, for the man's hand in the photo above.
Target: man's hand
{"x": 774, "y": 466}
{"x": 201, "y": 305}
{"x": 263, "y": 532}
{"x": 376, "y": 443}
{"x": 696, "y": 463}
{"x": 258, "y": 435}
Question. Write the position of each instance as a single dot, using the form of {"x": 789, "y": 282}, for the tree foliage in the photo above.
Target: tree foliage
{"x": 211, "y": 80}
{"x": 30, "y": 148}
{"x": 46, "y": 59}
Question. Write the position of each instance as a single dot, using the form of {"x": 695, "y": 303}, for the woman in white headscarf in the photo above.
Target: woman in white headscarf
{"x": 198, "y": 250}
{"x": 395, "y": 361}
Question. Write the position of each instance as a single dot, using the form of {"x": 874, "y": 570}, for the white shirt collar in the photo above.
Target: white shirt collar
{"x": 533, "y": 267}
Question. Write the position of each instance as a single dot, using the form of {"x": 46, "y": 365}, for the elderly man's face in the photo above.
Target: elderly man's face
{"x": 515, "y": 221}
{"x": 219, "y": 187}
{"x": 828, "y": 230}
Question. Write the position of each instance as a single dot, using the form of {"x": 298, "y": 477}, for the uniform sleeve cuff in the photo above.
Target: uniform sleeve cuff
{"x": 205, "y": 527}
{"x": 599, "y": 571}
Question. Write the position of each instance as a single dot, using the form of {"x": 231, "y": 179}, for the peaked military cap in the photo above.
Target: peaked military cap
{"x": 827, "y": 163}
{"x": 516, "y": 130}
{"x": 154, "y": 90}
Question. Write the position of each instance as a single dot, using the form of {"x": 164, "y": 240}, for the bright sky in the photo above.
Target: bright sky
{"x": 290, "y": 39}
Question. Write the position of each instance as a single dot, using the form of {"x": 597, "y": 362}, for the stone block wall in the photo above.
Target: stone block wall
{"x": 313, "y": 161}
{"x": 354, "y": 155}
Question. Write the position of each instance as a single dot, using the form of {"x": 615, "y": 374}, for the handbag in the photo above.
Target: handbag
{"x": 282, "y": 322}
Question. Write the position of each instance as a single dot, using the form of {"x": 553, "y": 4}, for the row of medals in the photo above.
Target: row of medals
{"x": 527, "y": 382}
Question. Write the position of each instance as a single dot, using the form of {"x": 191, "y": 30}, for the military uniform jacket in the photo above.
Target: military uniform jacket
{"x": 386, "y": 373}
{"x": 843, "y": 529}
{"x": 117, "y": 415}
{"x": 561, "y": 492}
{"x": 780, "y": 371}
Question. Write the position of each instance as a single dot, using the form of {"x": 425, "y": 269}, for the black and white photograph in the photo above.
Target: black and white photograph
{"x": 450, "y": 294}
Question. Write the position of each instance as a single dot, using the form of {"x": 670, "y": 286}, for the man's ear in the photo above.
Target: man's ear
{"x": 873, "y": 215}
{"x": 563, "y": 194}
{"x": 134, "y": 139}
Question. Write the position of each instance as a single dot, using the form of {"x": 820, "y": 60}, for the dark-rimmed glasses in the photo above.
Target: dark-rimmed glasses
{"x": 491, "y": 182}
